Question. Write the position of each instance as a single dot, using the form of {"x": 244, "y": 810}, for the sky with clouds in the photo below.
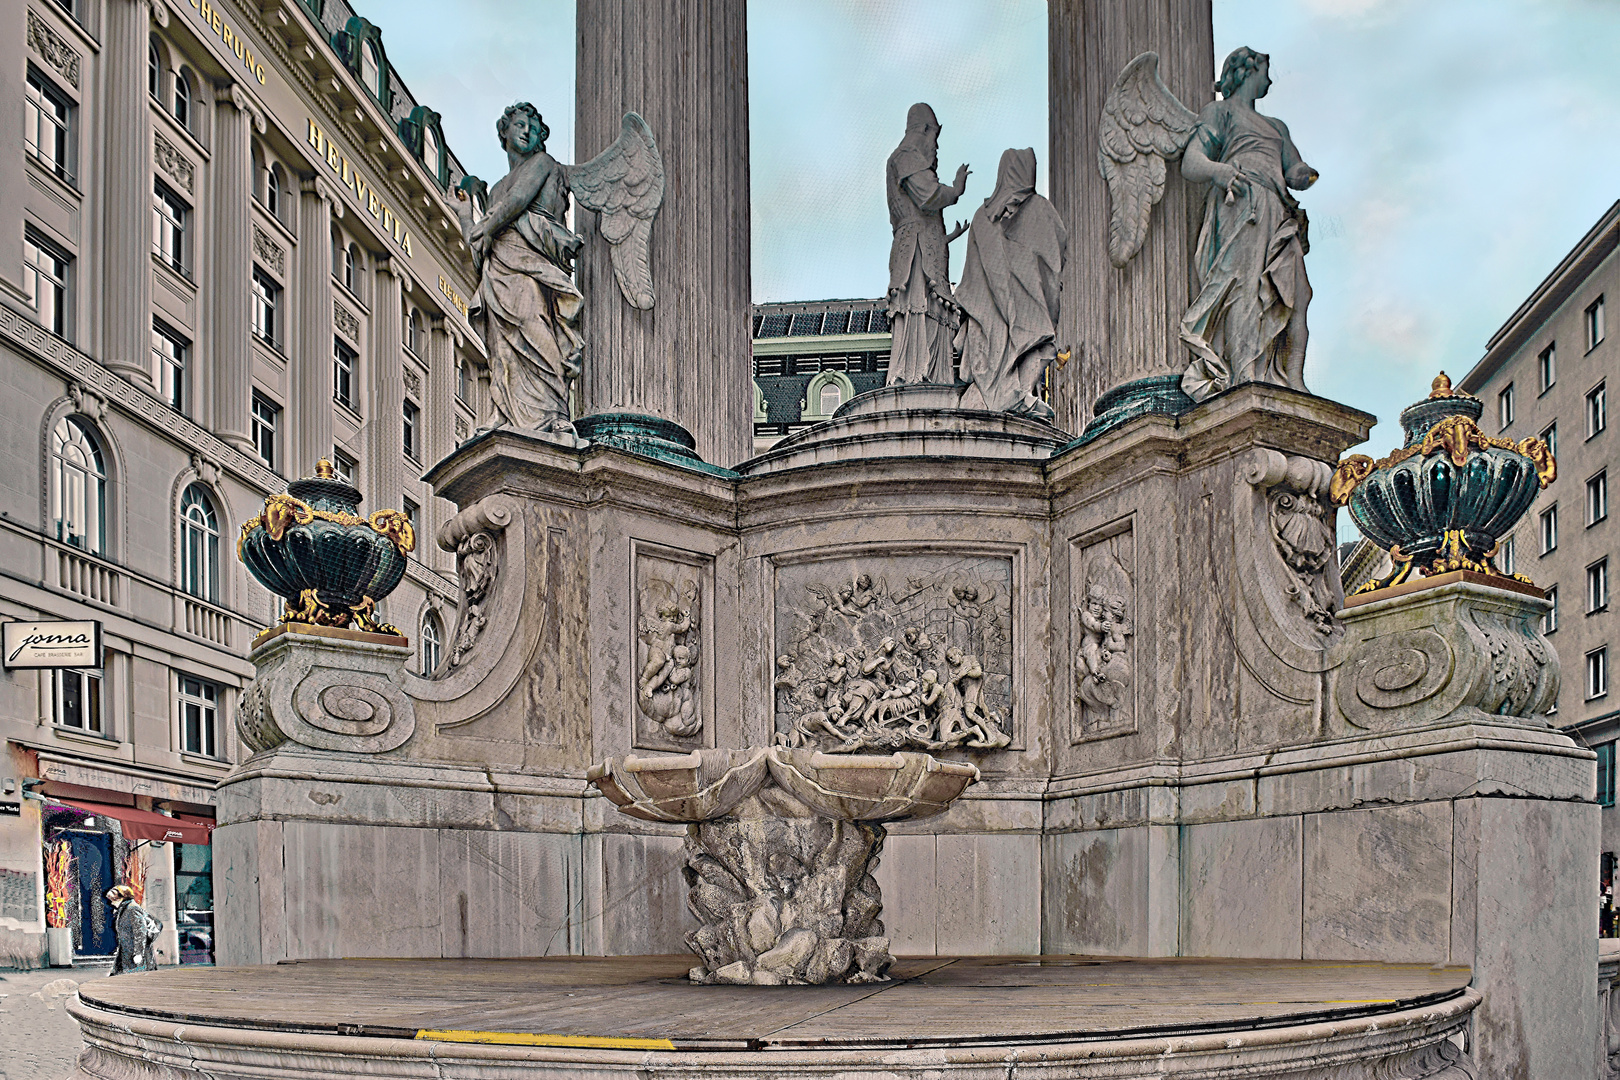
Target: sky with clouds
{"x": 1464, "y": 145}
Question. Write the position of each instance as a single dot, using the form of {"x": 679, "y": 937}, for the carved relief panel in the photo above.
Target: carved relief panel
{"x": 1102, "y": 604}
{"x": 673, "y": 687}
{"x": 887, "y": 651}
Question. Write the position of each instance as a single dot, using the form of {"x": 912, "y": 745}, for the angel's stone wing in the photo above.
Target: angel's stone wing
{"x": 1143, "y": 126}
{"x": 625, "y": 184}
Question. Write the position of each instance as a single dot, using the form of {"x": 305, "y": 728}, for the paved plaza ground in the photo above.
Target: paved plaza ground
{"x": 38, "y": 1039}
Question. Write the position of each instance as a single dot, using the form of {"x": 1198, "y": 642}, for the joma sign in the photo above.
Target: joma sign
{"x": 51, "y": 644}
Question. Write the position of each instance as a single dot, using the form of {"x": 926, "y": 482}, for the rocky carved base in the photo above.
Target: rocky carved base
{"x": 785, "y": 897}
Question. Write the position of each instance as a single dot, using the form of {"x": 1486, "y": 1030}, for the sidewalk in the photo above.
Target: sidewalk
{"x": 38, "y": 1039}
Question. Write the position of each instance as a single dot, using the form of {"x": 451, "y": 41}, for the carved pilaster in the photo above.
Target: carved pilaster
{"x": 309, "y": 347}
{"x": 384, "y": 379}
{"x": 126, "y": 187}
{"x": 231, "y": 234}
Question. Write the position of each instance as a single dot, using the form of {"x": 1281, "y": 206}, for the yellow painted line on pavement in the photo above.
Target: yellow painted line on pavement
{"x": 520, "y": 1038}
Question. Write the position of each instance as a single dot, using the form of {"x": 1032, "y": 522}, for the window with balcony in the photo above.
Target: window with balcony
{"x": 79, "y": 486}
{"x": 169, "y": 219}
{"x": 266, "y": 309}
{"x": 45, "y": 280}
{"x": 343, "y": 363}
{"x": 1597, "y": 498}
{"x": 266, "y": 422}
{"x": 48, "y": 125}
{"x": 199, "y": 544}
{"x": 76, "y": 700}
{"x": 1504, "y": 407}
{"x": 1547, "y": 367}
{"x": 1597, "y": 409}
{"x": 1597, "y": 586}
{"x": 199, "y": 717}
{"x": 169, "y": 351}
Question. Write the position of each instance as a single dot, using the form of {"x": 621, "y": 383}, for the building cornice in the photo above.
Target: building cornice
{"x": 1598, "y": 244}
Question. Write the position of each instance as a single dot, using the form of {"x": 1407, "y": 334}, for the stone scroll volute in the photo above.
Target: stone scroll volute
{"x": 1102, "y": 585}
{"x": 346, "y": 696}
{"x": 673, "y": 689}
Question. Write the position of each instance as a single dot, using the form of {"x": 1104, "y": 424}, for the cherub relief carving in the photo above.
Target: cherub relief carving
{"x": 667, "y": 688}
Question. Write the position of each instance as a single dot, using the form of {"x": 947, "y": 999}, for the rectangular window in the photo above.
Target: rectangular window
{"x": 1547, "y": 367}
{"x": 343, "y": 361}
{"x": 1597, "y": 673}
{"x": 47, "y": 124}
{"x": 1597, "y": 409}
{"x": 1550, "y": 437}
{"x": 343, "y": 465}
{"x": 413, "y": 421}
{"x": 1605, "y": 764}
{"x": 266, "y": 419}
{"x": 169, "y": 365}
{"x": 1504, "y": 406}
{"x": 199, "y": 716}
{"x": 45, "y": 280}
{"x": 1597, "y": 586}
{"x": 412, "y": 514}
{"x": 1597, "y": 498}
{"x": 169, "y": 228}
{"x": 266, "y": 309}
{"x": 1505, "y": 555}
{"x": 1549, "y": 529}
{"x": 76, "y": 700}
{"x": 1594, "y": 324}
{"x": 1549, "y": 621}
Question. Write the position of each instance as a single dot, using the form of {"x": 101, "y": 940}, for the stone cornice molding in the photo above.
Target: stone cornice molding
{"x": 89, "y": 375}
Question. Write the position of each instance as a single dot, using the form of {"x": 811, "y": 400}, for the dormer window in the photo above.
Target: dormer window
{"x": 370, "y": 70}
{"x": 430, "y": 151}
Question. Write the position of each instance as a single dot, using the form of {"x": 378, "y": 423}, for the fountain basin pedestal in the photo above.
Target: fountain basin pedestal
{"x": 780, "y": 848}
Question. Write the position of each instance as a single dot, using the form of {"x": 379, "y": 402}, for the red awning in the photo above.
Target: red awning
{"x": 146, "y": 825}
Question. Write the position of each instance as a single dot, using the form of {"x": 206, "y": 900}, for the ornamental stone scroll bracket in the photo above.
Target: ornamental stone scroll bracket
{"x": 485, "y": 654}
{"x": 327, "y": 694}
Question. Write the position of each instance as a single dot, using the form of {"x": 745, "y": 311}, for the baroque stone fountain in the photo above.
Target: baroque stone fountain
{"x": 781, "y": 843}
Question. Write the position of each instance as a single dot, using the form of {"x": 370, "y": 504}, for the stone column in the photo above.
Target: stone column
{"x": 1122, "y": 324}
{"x": 684, "y": 68}
{"x": 384, "y": 380}
{"x": 309, "y": 348}
{"x": 231, "y": 370}
{"x": 125, "y": 185}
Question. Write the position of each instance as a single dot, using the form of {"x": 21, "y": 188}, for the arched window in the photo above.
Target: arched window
{"x": 79, "y": 488}
{"x": 154, "y": 71}
{"x": 432, "y": 647}
{"x": 199, "y": 544}
{"x": 272, "y": 191}
{"x": 351, "y": 268}
{"x": 182, "y": 98}
{"x": 370, "y": 71}
{"x": 831, "y": 398}
{"x": 413, "y": 332}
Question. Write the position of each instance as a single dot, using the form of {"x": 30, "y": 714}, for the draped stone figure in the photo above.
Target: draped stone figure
{"x": 1247, "y": 323}
{"x": 527, "y": 306}
{"x": 922, "y": 311}
{"x": 1012, "y": 285}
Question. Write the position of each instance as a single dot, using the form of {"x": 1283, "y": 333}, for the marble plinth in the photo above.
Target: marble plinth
{"x": 1001, "y": 1017}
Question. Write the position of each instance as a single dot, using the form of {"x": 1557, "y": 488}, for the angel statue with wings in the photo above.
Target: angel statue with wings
{"x": 1247, "y": 323}
{"x": 527, "y": 306}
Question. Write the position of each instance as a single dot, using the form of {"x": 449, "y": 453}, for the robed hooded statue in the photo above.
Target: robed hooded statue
{"x": 922, "y": 311}
{"x": 1012, "y": 285}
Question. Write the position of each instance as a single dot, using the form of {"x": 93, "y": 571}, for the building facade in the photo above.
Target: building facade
{"x": 812, "y": 356}
{"x": 227, "y": 249}
{"x": 1545, "y": 372}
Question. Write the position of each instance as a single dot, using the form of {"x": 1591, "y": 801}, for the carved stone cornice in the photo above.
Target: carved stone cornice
{"x": 53, "y": 48}
{"x": 172, "y": 161}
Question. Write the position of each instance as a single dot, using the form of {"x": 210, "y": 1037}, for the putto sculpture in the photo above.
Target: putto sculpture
{"x": 922, "y": 309}
{"x": 1011, "y": 290}
{"x": 527, "y": 306}
{"x": 1247, "y": 323}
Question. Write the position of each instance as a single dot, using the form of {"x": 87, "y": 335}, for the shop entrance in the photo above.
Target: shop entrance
{"x": 93, "y": 863}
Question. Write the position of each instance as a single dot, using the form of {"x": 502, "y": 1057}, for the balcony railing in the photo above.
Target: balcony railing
{"x": 85, "y": 575}
{"x": 203, "y": 620}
